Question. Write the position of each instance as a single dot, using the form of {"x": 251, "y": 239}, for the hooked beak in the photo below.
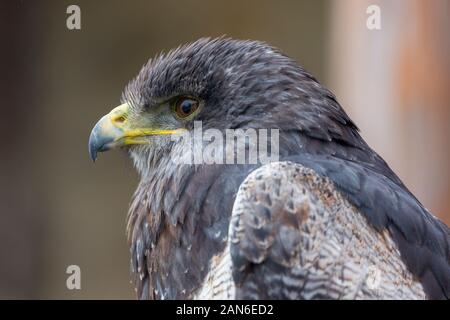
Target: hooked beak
{"x": 114, "y": 130}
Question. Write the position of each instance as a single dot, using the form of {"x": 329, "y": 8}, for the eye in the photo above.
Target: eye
{"x": 184, "y": 107}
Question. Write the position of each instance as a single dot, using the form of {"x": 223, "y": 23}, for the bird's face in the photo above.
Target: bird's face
{"x": 146, "y": 131}
{"x": 128, "y": 125}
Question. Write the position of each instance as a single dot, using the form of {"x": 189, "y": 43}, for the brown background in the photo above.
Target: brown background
{"x": 58, "y": 209}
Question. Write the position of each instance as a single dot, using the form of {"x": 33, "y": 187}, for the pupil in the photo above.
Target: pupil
{"x": 186, "y": 106}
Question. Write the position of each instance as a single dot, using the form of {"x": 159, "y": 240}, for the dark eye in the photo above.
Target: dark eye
{"x": 184, "y": 107}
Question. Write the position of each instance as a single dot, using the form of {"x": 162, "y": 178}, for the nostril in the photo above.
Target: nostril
{"x": 120, "y": 119}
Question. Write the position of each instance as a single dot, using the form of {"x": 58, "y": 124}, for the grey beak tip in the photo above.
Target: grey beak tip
{"x": 92, "y": 152}
{"x": 94, "y": 145}
{"x": 93, "y": 157}
{"x": 101, "y": 138}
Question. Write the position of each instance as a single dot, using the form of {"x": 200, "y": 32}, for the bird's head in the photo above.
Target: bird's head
{"x": 221, "y": 82}
{"x": 208, "y": 80}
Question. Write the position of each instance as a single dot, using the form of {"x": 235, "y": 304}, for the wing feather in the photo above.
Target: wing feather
{"x": 294, "y": 236}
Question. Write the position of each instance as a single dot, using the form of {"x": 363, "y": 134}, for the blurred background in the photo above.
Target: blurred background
{"x": 57, "y": 208}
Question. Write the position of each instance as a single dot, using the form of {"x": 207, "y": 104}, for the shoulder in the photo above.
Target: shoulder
{"x": 293, "y": 235}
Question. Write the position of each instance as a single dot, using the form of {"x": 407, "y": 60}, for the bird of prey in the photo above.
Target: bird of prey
{"x": 328, "y": 220}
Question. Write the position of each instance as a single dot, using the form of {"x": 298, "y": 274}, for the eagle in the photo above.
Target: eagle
{"x": 327, "y": 219}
